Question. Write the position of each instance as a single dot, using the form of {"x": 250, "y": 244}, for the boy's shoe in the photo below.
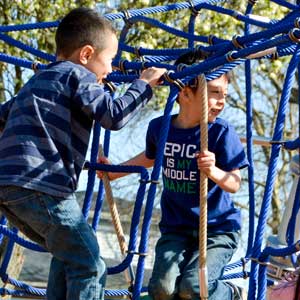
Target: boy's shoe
{"x": 238, "y": 292}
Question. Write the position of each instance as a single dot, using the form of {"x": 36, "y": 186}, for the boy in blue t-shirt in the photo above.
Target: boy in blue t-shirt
{"x": 175, "y": 271}
{"x": 45, "y": 134}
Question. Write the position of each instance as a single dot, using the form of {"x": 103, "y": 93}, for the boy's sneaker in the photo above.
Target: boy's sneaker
{"x": 238, "y": 292}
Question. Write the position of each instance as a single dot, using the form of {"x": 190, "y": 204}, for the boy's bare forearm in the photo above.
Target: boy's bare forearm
{"x": 228, "y": 181}
{"x": 138, "y": 160}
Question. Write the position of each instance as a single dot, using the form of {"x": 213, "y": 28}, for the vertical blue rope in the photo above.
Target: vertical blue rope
{"x": 152, "y": 190}
{"x": 271, "y": 176}
{"x": 91, "y": 173}
{"x": 122, "y": 39}
{"x": 290, "y": 233}
{"x": 249, "y": 117}
{"x": 100, "y": 194}
{"x": 3, "y": 221}
{"x": 191, "y": 30}
{"x": 7, "y": 255}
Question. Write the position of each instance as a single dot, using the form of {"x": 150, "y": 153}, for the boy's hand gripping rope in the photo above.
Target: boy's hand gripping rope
{"x": 203, "y": 280}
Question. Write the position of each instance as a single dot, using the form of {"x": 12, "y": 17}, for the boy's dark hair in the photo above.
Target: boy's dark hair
{"x": 193, "y": 57}
{"x": 82, "y": 26}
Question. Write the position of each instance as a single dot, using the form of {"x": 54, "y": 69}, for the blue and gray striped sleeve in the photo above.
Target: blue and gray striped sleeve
{"x": 112, "y": 114}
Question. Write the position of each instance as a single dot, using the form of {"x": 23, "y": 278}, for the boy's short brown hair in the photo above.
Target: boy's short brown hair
{"x": 82, "y": 26}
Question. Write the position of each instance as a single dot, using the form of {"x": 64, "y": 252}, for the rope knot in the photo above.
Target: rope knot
{"x": 297, "y": 22}
{"x": 211, "y": 39}
{"x": 274, "y": 55}
{"x": 137, "y": 52}
{"x": 110, "y": 85}
{"x": 294, "y": 37}
{"x": 237, "y": 14}
{"x": 122, "y": 67}
{"x": 180, "y": 85}
{"x": 194, "y": 11}
{"x": 181, "y": 67}
{"x": 229, "y": 56}
{"x": 236, "y": 43}
{"x": 245, "y": 273}
{"x": 252, "y": 2}
{"x": 35, "y": 66}
{"x": 126, "y": 18}
{"x": 149, "y": 181}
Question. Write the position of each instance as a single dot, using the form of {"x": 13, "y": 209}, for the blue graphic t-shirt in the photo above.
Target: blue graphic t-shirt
{"x": 180, "y": 197}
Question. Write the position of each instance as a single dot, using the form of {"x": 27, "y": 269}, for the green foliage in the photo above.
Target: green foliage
{"x": 24, "y": 12}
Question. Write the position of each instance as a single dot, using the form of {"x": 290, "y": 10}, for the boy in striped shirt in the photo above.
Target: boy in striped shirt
{"x": 45, "y": 134}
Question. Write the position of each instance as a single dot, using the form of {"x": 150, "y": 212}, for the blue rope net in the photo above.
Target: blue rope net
{"x": 283, "y": 36}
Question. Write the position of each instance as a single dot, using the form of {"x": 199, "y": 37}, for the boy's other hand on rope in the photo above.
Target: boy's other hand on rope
{"x": 100, "y": 174}
{"x": 153, "y": 75}
{"x": 206, "y": 161}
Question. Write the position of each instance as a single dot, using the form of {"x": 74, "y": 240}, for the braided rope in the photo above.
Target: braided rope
{"x": 203, "y": 279}
{"x": 115, "y": 216}
{"x": 113, "y": 209}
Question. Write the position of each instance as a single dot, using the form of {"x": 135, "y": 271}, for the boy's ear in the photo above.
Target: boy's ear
{"x": 86, "y": 52}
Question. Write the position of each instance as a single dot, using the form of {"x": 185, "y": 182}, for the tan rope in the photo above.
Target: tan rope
{"x": 263, "y": 53}
{"x": 114, "y": 213}
{"x": 203, "y": 280}
{"x": 113, "y": 209}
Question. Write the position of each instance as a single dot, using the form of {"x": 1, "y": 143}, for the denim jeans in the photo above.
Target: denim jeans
{"x": 175, "y": 272}
{"x": 77, "y": 271}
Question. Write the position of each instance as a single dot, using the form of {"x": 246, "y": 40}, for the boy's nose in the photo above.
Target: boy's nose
{"x": 221, "y": 99}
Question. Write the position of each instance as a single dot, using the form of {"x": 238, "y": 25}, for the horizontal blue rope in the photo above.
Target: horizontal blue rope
{"x": 158, "y": 9}
{"x": 30, "y": 26}
{"x": 27, "y": 48}
{"x": 13, "y": 236}
{"x": 292, "y": 145}
{"x": 237, "y": 15}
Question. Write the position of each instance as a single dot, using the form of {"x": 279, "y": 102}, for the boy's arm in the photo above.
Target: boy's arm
{"x": 229, "y": 181}
{"x": 138, "y": 160}
{"x": 112, "y": 113}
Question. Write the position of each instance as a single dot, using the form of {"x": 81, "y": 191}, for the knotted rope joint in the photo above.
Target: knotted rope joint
{"x": 229, "y": 56}
{"x": 236, "y": 43}
{"x": 176, "y": 82}
{"x": 149, "y": 181}
{"x": 294, "y": 37}
{"x": 194, "y": 11}
{"x": 126, "y": 18}
{"x": 137, "y": 253}
{"x": 110, "y": 85}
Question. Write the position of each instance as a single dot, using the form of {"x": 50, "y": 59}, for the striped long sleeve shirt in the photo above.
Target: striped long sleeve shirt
{"x": 46, "y": 127}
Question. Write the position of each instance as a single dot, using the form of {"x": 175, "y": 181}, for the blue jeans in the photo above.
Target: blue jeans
{"x": 77, "y": 271}
{"x": 175, "y": 271}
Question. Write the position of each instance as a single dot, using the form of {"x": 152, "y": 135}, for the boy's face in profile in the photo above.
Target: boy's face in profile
{"x": 216, "y": 97}
{"x": 100, "y": 63}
